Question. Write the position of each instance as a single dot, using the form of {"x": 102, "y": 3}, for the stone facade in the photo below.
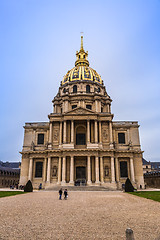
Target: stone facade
{"x": 81, "y": 144}
{"x": 9, "y": 174}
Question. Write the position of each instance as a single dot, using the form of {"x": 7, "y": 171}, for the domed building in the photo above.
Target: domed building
{"x": 81, "y": 144}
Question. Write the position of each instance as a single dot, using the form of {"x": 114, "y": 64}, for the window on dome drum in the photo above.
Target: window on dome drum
{"x": 74, "y": 89}
{"x": 89, "y": 107}
{"x": 123, "y": 169}
{"x": 40, "y": 138}
{"x": 98, "y": 90}
{"x": 74, "y": 106}
{"x": 101, "y": 109}
{"x": 121, "y": 138}
{"x": 39, "y": 168}
{"x": 87, "y": 89}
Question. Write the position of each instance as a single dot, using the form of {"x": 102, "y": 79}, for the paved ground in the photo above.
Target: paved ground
{"x": 85, "y": 215}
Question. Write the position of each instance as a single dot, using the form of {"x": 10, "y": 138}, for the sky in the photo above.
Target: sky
{"x": 38, "y": 42}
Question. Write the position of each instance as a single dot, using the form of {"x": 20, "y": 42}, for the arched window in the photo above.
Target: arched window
{"x": 75, "y": 89}
{"x": 98, "y": 90}
{"x": 88, "y": 89}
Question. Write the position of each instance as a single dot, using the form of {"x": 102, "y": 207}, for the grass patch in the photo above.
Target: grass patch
{"x": 153, "y": 195}
{"x": 9, "y": 193}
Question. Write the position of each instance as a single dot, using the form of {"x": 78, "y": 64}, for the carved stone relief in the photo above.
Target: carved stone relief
{"x": 105, "y": 132}
{"x": 55, "y": 134}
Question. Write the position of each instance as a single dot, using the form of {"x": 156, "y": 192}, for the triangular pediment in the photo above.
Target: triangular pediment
{"x": 80, "y": 111}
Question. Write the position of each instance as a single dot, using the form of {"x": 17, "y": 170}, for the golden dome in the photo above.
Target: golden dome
{"x": 82, "y": 71}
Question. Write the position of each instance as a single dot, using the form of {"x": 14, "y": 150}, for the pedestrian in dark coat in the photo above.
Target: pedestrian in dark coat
{"x": 65, "y": 194}
{"x": 60, "y": 194}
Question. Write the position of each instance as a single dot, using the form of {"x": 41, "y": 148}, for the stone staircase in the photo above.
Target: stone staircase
{"x": 79, "y": 188}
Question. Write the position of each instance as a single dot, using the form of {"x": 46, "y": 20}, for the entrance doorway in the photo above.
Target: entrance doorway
{"x": 80, "y": 176}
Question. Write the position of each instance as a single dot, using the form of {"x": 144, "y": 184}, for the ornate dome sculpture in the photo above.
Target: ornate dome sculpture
{"x": 82, "y": 71}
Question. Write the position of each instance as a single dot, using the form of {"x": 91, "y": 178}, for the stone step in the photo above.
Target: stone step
{"x": 80, "y": 188}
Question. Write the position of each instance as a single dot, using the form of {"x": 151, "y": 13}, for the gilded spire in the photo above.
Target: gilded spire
{"x": 82, "y": 42}
{"x": 81, "y": 56}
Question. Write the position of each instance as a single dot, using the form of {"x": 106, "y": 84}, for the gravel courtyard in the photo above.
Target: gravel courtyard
{"x": 85, "y": 215}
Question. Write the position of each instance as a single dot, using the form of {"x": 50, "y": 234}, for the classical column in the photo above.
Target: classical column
{"x": 50, "y": 134}
{"x": 71, "y": 170}
{"x": 44, "y": 169}
{"x": 89, "y": 169}
{"x": 72, "y": 131}
{"x": 132, "y": 170}
{"x": 60, "y": 133}
{"x": 97, "y": 169}
{"x": 96, "y": 103}
{"x": 117, "y": 169}
{"x": 30, "y": 169}
{"x": 110, "y": 132}
{"x": 88, "y": 131}
{"x": 96, "y": 131}
{"x": 101, "y": 170}
{"x": 112, "y": 170}
{"x": 64, "y": 170}
{"x": 49, "y": 170}
{"x": 108, "y": 108}
{"x": 59, "y": 170}
{"x": 100, "y": 132}
{"x": 64, "y": 132}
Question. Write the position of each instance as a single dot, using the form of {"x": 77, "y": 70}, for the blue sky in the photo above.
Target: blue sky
{"x": 38, "y": 41}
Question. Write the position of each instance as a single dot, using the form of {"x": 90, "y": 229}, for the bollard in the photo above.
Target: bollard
{"x": 129, "y": 234}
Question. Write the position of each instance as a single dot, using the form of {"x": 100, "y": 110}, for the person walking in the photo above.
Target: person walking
{"x": 60, "y": 194}
{"x": 65, "y": 194}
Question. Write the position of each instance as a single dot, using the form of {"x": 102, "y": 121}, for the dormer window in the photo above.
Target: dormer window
{"x": 64, "y": 90}
{"x": 74, "y": 89}
{"x": 87, "y": 89}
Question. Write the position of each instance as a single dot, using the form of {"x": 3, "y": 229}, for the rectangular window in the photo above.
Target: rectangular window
{"x": 123, "y": 169}
{"x": 40, "y": 138}
{"x": 74, "y": 106}
{"x": 80, "y": 139}
{"x": 121, "y": 138}
{"x": 89, "y": 107}
{"x": 39, "y": 168}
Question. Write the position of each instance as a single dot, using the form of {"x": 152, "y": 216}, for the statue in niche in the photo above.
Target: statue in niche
{"x": 54, "y": 172}
{"x": 32, "y": 146}
{"x": 106, "y": 171}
